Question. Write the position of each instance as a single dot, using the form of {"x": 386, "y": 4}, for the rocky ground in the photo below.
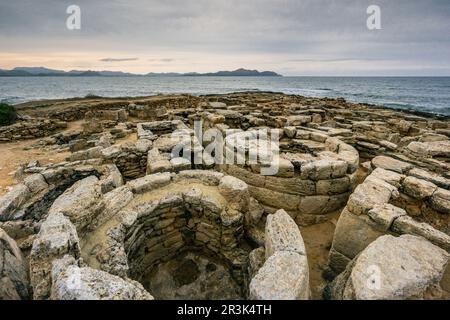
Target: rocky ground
{"x": 93, "y": 205}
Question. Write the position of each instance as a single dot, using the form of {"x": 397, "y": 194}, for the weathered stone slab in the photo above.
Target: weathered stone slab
{"x": 282, "y": 234}
{"x": 235, "y": 192}
{"x": 56, "y": 238}
{"x": 70, "y": 282}
{"x": 150, "y": 182}
{"x": 418, "y": 188}
{"x": 80, "y": 203}
{"x": 391, "y": 164}
{"x": 13, "y": 200}
{"x": 405, "y": 267}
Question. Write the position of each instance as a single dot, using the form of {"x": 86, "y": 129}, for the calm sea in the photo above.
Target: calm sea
{"x": 429, "y": 94}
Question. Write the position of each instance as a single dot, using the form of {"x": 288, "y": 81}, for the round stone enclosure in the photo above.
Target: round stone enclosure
{"x": 169, "y": 215}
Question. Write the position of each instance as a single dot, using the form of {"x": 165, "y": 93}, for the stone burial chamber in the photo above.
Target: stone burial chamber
{"x": 313, "y": 175}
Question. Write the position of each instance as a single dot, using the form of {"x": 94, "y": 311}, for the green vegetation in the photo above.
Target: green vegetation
{"x": 7, "y": 114}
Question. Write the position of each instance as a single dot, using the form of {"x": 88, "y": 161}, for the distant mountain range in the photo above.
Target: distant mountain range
{"x": 45, "y": 72}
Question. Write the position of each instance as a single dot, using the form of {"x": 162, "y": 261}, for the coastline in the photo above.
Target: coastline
{"x": 45, "y": 102}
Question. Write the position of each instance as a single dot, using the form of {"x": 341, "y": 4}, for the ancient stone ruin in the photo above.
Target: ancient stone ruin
{"x": 358, "y": 206}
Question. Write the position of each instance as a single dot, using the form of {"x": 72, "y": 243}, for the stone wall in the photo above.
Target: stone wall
{"x": 308, "y": 185}
{"x": 170, "y": 213}
{"x": 396, "y": 198}
{"x": 30, "y": 129}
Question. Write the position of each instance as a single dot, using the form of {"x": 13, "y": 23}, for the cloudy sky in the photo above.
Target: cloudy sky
{"x": 292, "y": 37}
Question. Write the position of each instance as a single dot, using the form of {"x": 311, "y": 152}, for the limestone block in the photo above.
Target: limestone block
{"x": 391, "y": 164}
{"x": 14, "y": 281}
{"x": 80, "y": 203}
{"x": 418, "y": 188}
{"x": 236, "y": 193}
{"x": 319, "y": 137}
{"x": 406, "y": 267}
{"x": 180, "y": 164}
{"x": 92, "y": 153}
{"x": 390, "y": 177}
{"x": 324, "y": 169}
{"x": 407, "y": 225}
{"x": 385, "y": 214}
{"x": 247, "y": 176}
{"x": 162, "y": 165}
{"x": 431, "y": 177}
{"x": 211, "y": 203}
{"x": 35, "y": 183}
{"x": 313, "y": 204}
{"x": 440, "y": 201}
{"x": 207, "y": 177}
{"x": 150, "y": 182}
{"x": 256, "y": 259}
{"x": 255, "y": 212}
{"x": 354, "y": 233}
{"x": 114, "y": 201}
{"x": 294, "y": 185}
{"x": 111, "y": 152}
{"x": 290, "y": 132}
{"x": 56, "y": 238}
{"x": 285, "y": 168}
{"x": 274, "y": 198}
{"x": 297, "y": 120}
{"x": 333, "y": 186}
{"x": 70, "y": 282}
{"x": 13, "y": 200}
{"x": 368, "y": 194}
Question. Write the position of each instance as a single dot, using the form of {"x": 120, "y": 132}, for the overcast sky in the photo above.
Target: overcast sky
{"x": 292, "y": 37}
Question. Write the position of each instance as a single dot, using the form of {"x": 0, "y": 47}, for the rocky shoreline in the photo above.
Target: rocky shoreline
{"x": 121, "y": 208}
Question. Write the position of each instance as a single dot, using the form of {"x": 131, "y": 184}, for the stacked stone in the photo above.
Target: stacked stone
{"x": 57, "y": 272}
{"x": 166, "y": 214}
{"x": 396, "y": 198}
{"x": 33, "y": 197}
{"x": 394, "y": 268}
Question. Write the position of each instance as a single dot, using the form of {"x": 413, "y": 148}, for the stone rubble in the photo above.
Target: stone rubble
{"x": 127, "y": 201}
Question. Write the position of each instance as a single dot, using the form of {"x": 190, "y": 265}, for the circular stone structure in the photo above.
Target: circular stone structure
{"x": 307, "y": 173}
{"x": 165, "y": 235}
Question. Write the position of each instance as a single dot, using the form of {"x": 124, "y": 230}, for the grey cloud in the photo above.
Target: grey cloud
{"x": 321, "y": 30}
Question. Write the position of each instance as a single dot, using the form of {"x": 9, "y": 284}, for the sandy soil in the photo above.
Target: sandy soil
{"x": 318, "y": 239}
{"x": 15, "y": 153}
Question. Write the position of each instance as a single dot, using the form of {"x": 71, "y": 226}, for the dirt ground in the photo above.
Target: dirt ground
{"x": 318, "y": 239}
{"x": 13, "y": 154}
